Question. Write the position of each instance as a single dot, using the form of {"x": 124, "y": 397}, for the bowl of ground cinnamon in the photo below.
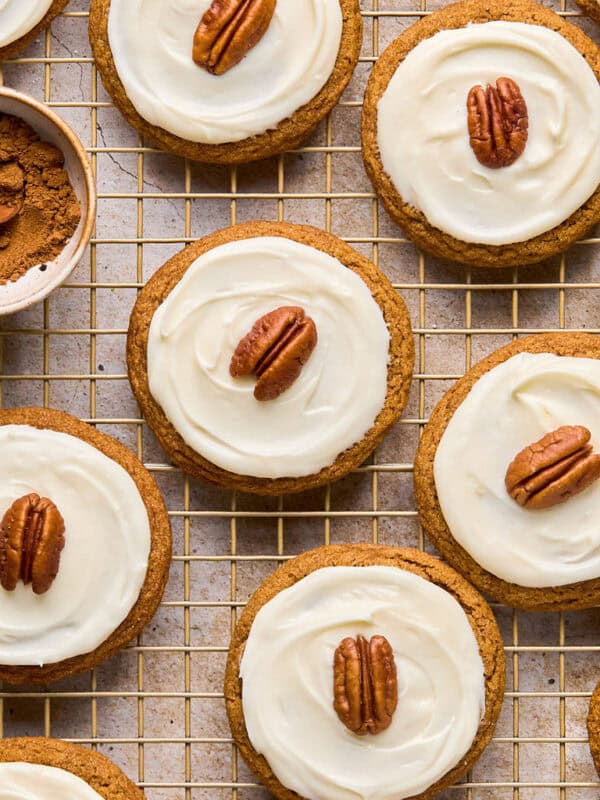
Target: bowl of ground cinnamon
{"x": 47, "y": 200}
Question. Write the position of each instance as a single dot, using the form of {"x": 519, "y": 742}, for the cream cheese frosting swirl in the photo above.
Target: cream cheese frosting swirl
{"x": 151, "y": 43}
{"x": 287, "y": 684}
{"x": 18, "y": 17}
{"x": 105, "y": 558}
{"x": 23, "y": 781}
{"x": 195, "y": 331}
{"x": 424, "y": 140}
{"x": 526, "y": 397}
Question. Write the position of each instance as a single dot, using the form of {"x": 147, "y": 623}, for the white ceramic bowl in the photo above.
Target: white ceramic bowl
{"x": 39, "y": 281}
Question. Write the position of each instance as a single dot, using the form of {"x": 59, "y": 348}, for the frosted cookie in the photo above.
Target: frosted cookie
{"x": 481, "y": 132}
{"x": 506, "y": 474}
{"x": 47, "y": 769}
{"x": 226, "y": 81}
{"x": 22, "y": 20}
{"x": 85, "y": 546}
{"x": 363, "y": 671}
{"x": 270, "y": 357}
{"x": 593, "y": 725}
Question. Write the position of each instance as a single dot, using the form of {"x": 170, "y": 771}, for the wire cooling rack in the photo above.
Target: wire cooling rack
{"x": 157, "y": 708}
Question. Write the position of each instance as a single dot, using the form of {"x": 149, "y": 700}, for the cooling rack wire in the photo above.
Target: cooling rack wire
{"x": 157, "y": 709}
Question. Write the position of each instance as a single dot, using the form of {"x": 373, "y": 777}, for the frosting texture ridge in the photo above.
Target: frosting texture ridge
{"x": 423, "y": 134}
{"x": 196, "y": 330}
{"x": 107, "y": 543}
{"x": 287, "y": 684}
{"x": 526, "y": 396}
{"x": 18, "y": 17}
{"x": 151, "y": 43}
{"x": 23, "y": 781}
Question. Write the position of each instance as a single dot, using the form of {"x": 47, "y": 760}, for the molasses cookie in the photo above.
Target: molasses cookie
{"x": 361, "y": 671}
{"x": 85, "y": 546}
{"x": 270, "y": 357}
{"x": 481, "y": 132}
{"x": 593, "y": 725}
{"x": 506, "y": 474}
{"x": 230, "y": 81}
{"x": 46, "y": 769}
{"x": 591, "y": 8}
{"x": 22, "y": 20}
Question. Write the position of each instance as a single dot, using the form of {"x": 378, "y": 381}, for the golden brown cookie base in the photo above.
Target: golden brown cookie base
{"x": 591, "y": 8}
{"x": 11, "y": 50}
{"x": 290, "y": 133}
{"x": 477, "y": 610}
{"x": 399, "y": 368}
{"x": 159, "y": 559}
{"x": 593, "y": 726}
{"x": 576, "y": 595}
{"x": 95, "y": 769}
{"x": 414, "y": 222}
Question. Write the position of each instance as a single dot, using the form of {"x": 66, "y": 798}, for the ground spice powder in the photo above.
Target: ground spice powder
{"x": 39, "y": 211}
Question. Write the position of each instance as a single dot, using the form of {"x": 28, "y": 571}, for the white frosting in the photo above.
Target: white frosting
{"x": 424, "y": 140}
{"x": 18, "y": 17}
{"x": 510, "y": 407}
{"x": 107, "y": 544}
{"x": 195, "y": 331}
{"x": 287, "y": 691}
{"x": 151, "y": 43}
{"x": 23, "y": 781}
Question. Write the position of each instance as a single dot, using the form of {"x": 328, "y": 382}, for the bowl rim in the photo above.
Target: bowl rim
{"x": 90, "y": 187}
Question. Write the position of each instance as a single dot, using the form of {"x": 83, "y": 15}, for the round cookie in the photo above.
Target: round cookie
{"x": 591, "y": 8}
{"x": 581, "y": 594}
{"x": 89, "y": 766}
{"x": 593, "y": 726}
{"x": 547, "y": 242}
{"x": 53, "y": 9}
{"x": 481, "y": 623}
{"x": 150, "y": 502}
{"x": 288, "y": 133}
{"x": 392, "y": 317}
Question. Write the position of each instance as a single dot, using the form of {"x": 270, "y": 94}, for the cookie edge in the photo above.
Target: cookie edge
{"x": 96, "y": 770}
{"x": 12, "y": 49}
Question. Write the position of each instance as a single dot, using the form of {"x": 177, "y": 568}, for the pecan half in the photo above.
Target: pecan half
{"x": 228, "y": 31}
{"x": 365, "y": 684}
{"x": 31, "y": 541}
{"x": 498, "y": 123}
{"x": 561, "y": 464}
{"x": 278, "y": 346}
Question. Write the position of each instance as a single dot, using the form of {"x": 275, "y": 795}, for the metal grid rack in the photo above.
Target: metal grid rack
{"x": 157, "y": 709}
